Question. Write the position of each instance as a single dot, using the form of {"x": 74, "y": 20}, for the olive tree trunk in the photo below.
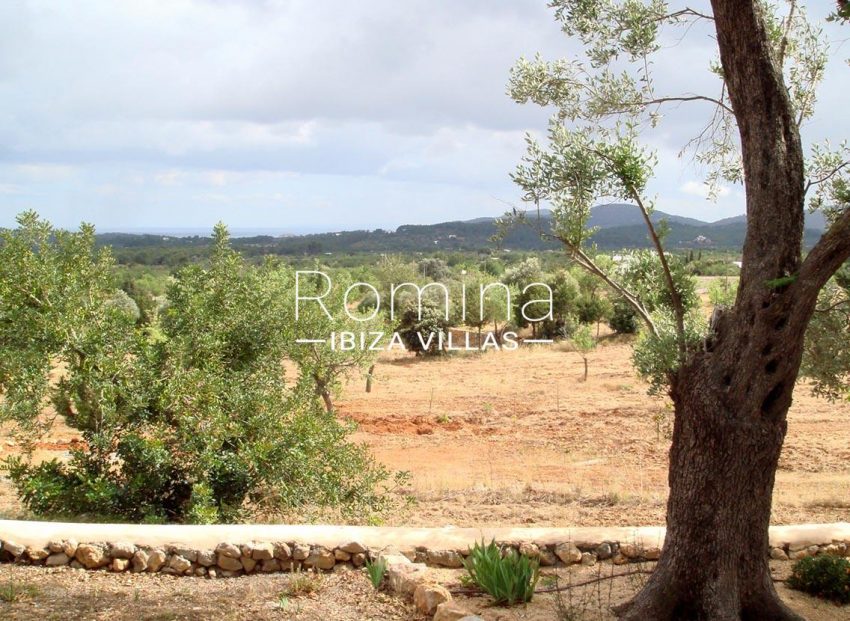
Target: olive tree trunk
{"x": 731, "y": 400}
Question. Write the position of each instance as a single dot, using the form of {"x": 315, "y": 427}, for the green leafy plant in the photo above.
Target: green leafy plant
{"x": 824, "y": 576}
{"x": 376, "y": 571}
{"x": 508, "y": 578}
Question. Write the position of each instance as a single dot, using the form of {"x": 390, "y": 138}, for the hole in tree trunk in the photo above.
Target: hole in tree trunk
{"x": 768, "y": 406}
{"x": 780, "y": 324}
{"x": 770, "y": 367}
{"x": 767, "y": 349}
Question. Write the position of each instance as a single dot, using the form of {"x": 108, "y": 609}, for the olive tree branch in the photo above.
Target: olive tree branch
{"x": 826, "y": 177}
{"x": 583, "y": 260}
{"x": 686, "y": 12}
{"x": 786, "y": 26}
{"x": 678, "y": 308}
{"x": 828, "y": 255}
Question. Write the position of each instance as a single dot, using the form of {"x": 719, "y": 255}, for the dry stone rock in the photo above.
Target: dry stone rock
{"x": 140, "y": 561}
{"x": 119, "y": 564}
{"x": 427, "y": 597}
{"x": 156, "y": 559}
{"x": 531, "y": 550}
{"x": 796, "y": 555}
{"x": 270, "y": 565}
{"x": 228, "y": 550}
{"x": 835, "y": 549}
{"x": 37, "y": 554}
{"x": 404, "y": 578}
{"x": 652, "y": 554}
{"x": 568, "y": 553}
{"x": 206, "y": 558}
{"x": 342, "y": 555}
{"x": 179, "y": 564}
{"x": 212, "y": 572}
{"x": 200, "y": 572}
{"x": 282, "y": 551}
{"x": 75, "y": 564}
{"x": 189, "y": 554}
{"x": 55, "y": 546}
{"x": 547, "y": 558}
{"x": 13, "y": 548}
{"x": 320, "y": 558}
{"x": 358, "y": 560}
{"x": 450, "y": 611}
{"x": 445, "y": 558}
{"x": 57, "y": 560}
{"x": 588, "y": 558}
{"x": 228, "y": 563}
{"x": 262, "y": 551}
{"x": 620, "y": 559}
{"x": 300, "y": 552}
{"x": 122, "y": 549}
{"x": 630, "y": 550}
{"x": 778, "y": 554}
{"x": 353, "y": 548}
{"x": 69, "y": 547}
{"x": 91, "y": 556}
{"x": 248, "y": 563}
{"x": 604, "y": 551}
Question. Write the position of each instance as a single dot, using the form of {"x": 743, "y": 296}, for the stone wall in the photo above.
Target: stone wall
{"x": 228, "y": 559}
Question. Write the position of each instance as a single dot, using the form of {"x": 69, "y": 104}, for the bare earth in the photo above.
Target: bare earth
{"x": 62, "y": 593}
{"x": 517, "y": 438}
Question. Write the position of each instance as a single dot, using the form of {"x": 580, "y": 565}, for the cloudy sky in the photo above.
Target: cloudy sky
{"x": 300, "y": 115}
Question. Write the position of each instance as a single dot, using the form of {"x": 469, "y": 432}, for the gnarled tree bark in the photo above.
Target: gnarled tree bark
{"x": 731, "y": 401}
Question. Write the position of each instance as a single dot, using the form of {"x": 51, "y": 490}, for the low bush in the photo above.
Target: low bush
{"x": 827, "y": 577}
{"x": 189, "y": 419}
{"x": 508, "y": 578}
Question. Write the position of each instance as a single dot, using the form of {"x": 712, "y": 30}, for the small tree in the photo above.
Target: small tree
{"x": 584, "y": 343}
{"x": 423, "y": 328}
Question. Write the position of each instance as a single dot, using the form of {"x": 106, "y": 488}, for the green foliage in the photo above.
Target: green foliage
{"x": 509, "y": 579}
{"x": 434, "y": 269}
{"x": 376, "y": 570}
{"x": 655, "y": 356}
{"x": 642, "y": 274}
{"x": 186, "y": 420}
{"x": 623, "y": 319}
{"x": 722, "y": 292}
{"x": 826, "y": 357}
{"x": 824, "y": 576}
{"x": 421, "y": 327}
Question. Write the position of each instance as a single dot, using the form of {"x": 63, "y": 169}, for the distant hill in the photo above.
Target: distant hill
{"x": 618, "y": 226}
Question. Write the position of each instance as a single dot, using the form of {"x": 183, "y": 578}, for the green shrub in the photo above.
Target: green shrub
{"x": 624, "y": 319}
{"x": 509, "y": 579}
{"x": 825, "y": 576}
{"x": 422, "y": 334}
{"x": 185, "y": 420}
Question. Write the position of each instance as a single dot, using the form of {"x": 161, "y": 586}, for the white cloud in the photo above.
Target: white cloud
{"x": 698, "y": 188}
